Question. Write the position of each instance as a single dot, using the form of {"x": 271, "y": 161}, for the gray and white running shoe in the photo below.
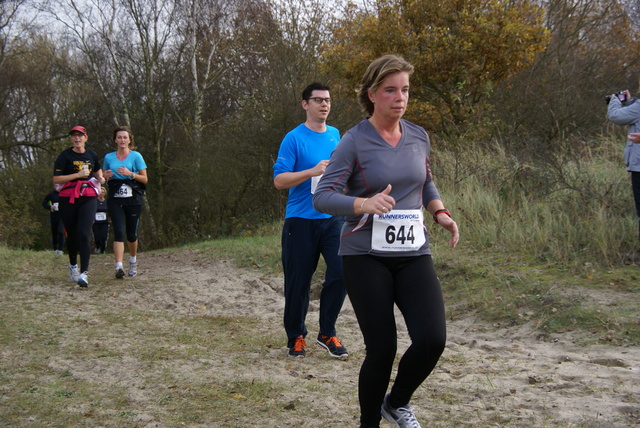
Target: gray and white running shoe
{"x": 83, "y": 280}
{"x": 402, "y": 416}
{"x": 74, "y": 273}
{"x": 133, "y": 269}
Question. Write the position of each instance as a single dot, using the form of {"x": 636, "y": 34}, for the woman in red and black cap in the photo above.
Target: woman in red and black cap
{"x": 78, "y": 175}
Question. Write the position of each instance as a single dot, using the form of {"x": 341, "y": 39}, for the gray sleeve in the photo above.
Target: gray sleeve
{"x": 623, "y": 115}
{"x": 329, "y": 196}
{"x": 429, "y": 193}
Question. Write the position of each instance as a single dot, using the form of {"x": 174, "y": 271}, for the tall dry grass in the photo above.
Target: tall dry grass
{"x": 572, "y": 207}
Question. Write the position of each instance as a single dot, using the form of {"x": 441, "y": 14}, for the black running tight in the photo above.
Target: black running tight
{"x": 124, "y": 217}
{"x": 78, "y": 219}
{"x": 374, "y": 284}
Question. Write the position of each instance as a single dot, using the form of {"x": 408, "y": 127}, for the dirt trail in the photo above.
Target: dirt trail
{"x": 486, "y": 373}
{"x": 487, "y": 376}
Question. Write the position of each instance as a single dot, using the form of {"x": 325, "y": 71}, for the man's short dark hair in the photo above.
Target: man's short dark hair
{"x": 315, "y": 86}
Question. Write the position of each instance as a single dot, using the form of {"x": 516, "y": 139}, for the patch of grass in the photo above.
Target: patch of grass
{"x": 513, "y": 290}
{"x": 259, "y": 252}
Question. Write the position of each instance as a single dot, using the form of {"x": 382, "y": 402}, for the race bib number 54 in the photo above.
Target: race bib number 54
{"x": 398, "y": 230}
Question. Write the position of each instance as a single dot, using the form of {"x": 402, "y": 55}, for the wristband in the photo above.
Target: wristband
{"x": 362, "y": 205}
{"x": 442, "y": 211}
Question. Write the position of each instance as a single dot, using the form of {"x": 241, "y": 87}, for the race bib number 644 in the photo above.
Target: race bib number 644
{"x": 398, "y": 230}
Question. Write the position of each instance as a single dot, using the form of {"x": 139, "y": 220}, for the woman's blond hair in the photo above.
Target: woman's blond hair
{"x": 377, "y": 71}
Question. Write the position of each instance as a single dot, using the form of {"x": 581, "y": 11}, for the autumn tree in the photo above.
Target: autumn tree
{"x": 560, "y": 98}
{"x": 461, "y": 50}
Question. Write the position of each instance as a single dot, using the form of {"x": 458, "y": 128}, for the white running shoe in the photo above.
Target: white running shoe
{"x": 74, "y": 273}
{"x": 133, "y": 268}
{"x": 83, "y": 281}
{"x": 402, "y": 416}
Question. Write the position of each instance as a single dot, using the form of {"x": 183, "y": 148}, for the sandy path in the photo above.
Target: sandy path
{"x": 485, "y": 373}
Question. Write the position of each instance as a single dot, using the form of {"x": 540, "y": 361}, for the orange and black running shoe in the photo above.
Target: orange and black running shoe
{"x": 297, "y": 350}
{"x": 332, "y": 345}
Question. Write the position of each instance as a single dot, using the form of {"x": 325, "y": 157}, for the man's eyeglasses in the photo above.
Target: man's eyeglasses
{"x": 319, "y": 100}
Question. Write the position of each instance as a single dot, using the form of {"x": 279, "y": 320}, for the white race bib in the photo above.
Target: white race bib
{"x": 314, "y": 183}
{"x": 125, "y": 191}
{"x": 398, "y": 230}
{"x": 101, "y": 216}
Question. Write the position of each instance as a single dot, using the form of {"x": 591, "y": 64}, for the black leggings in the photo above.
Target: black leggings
{"x": 78, "y": 219}
{"x": 124, "y": 217}
{"x": 374, "y": 284}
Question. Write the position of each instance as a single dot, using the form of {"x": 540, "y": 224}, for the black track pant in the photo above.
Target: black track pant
{"x": 57, "y": 232}
{"x": 374, "y": 284}
{"x": 78, "y": 219}
{"x": 100, "y": 235}
{"x": 303, "y": 241}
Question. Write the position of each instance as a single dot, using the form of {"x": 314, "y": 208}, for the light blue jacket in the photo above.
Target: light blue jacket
{"x": 628, "y": 114}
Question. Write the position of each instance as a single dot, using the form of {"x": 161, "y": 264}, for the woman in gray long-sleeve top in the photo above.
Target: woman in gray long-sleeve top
{"x": 379, "y": 179}
{"x": 627, "y": 113}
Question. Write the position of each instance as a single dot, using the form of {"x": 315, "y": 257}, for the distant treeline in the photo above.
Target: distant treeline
{"x": 512, "y": 94}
